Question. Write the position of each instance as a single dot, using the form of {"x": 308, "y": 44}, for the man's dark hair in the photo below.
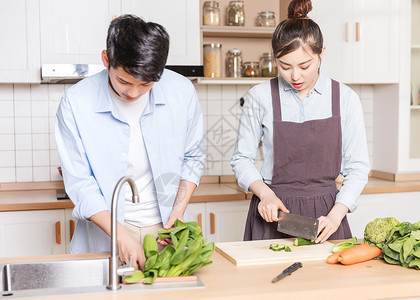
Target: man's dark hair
{"x": 140, "y": 48}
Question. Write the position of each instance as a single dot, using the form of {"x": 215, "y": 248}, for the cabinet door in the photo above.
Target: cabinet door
{"x": 75, "y": 31}
{"x": 197, "y": 213}
{"x": 180, "y": 19}
{"x": 20, "y": 42}
{"x": 70, "y": 226}
{"x": 334, "y": 20}
{"x": 226, "y": 220}
{"x": 31, "y": 233}
{"x": 376, "y": 42}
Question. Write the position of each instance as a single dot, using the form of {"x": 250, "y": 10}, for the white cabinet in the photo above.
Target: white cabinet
{"x": 75, "y": 31}
{"x": 31, "y": 233}
{"x": 20, "y": 42}
{"x": 405, "y": 207}
{"x": 361, "y": 39}
{"x": 180, "y": 19}
{"x": 221, "y": 221}
{"x": 70, "y": 226}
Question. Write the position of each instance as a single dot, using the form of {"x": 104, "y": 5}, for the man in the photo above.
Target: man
{"x": 132, "y": 119}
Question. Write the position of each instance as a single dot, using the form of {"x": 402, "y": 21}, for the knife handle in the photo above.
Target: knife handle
{"x": 292, "y": 268}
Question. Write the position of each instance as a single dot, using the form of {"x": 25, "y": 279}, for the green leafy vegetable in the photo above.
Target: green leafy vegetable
{"x": 189, "y": 252}
{"x": 350, "y": 243}
{"x": 377, "y": 230}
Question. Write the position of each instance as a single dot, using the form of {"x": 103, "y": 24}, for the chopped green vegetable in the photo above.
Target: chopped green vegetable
{"x": 287, "y": 249}
{"x": 350, "y": 243}
{"x": 302, "y": 242}
{"x": 277, "y": 247}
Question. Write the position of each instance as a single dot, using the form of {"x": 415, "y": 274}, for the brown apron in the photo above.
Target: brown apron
{"x": 307, "y": 160}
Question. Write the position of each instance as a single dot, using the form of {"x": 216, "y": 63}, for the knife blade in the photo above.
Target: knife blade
{"x": 298, "y": 226}
{"x": 288, "y": 271}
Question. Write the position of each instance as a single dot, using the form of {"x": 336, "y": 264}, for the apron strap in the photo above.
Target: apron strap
{"x": 275, "y": 96}
{"x": 335, "y": 98}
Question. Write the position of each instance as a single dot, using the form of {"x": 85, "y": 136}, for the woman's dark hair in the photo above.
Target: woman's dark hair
{"x": 140, "y": 48}
{"x": 297, "y": 30}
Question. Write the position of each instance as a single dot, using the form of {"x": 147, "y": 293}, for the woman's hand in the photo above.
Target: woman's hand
{"x": 269, "y": 206}
{"x": 329, "y": 224}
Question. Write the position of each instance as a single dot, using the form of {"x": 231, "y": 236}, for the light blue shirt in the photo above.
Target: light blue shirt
{"x": 256, "y": 123}
{"x": 93, "y": 141}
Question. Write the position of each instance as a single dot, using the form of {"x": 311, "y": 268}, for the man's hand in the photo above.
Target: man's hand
{"x": 128, "y": 246}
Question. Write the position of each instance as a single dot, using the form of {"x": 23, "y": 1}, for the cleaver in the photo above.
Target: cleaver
{"x": 298, "y": 226}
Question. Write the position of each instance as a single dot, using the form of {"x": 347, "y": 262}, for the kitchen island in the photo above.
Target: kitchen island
{"x": 374, "y": 279}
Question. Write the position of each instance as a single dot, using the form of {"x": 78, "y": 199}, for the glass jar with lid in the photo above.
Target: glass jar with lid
{"x": 236, "y": 13}
{"x": 268, "y": 65}
{"x": 266, "y": 19}
{"x": 211, "y": 13}
{"x": 251, "y": 69}
{"x": 212, "y": 60}
{"x": 234, "y": 63}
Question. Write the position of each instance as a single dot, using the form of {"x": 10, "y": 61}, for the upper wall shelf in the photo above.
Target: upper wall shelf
{"x": 237, "y": 31}
{"x": 230, "y": 80}
{"x": 415, "y": 47}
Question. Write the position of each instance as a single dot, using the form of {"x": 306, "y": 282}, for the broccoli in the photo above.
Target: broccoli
{"x": 377, "y": 230}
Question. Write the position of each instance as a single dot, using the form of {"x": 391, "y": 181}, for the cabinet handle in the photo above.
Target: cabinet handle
{"x": 357, "y": 31}
{"x": 58, "y": 232}
{"x": 347, "y": 31}
{"x": 72, "y": 228}
{"x": 200, "y": 220}
{"x": 212, "y": 224}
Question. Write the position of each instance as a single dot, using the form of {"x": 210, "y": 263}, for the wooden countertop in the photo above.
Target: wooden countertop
{"x": 374, "y": 279}
{"x": 42, "y": 195}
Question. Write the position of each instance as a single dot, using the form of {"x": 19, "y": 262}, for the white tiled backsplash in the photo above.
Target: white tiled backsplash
{"x": 27, "y": 112}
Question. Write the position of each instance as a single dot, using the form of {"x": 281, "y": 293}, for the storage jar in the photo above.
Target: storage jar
{"x": 268, "y": 65}
{"x": 251, "y": 69}
{"x": 211, "y": 13}
{"x": 266, "y": 19}
{"x": 236, "y": 13}
{"x": 212, "y": 60}
{"x": 234, "y": 63}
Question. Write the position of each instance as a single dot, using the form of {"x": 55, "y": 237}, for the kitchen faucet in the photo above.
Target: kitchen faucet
{"x": 114, "y": 271}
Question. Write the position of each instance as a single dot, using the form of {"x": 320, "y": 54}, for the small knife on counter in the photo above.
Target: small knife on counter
{"x": 288, "y": 271}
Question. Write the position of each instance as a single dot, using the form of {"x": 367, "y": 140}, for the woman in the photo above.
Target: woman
{"x": 308, "y": 123}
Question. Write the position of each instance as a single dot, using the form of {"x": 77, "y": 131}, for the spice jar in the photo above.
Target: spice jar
{"x": 211, "y": 13}
{"x": 212, "y": 60}
{"x": 251, "y": 69}
{"x": 266, "y": 19}
{"x": 268, "y": 65}
{"x": 236, "y": 13}
{"x": 234, "y": 63}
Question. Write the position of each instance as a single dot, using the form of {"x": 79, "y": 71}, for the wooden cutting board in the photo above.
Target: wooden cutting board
{"x": 251, "y": 253}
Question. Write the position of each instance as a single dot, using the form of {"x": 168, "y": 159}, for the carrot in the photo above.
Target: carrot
{"x": 333, "y": 258}
{"x": 359, "y": 253}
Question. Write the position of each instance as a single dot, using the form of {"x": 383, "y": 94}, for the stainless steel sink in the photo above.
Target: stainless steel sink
{"x": 66, "y": 277}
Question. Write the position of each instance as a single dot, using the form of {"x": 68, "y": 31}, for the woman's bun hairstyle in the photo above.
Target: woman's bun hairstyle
{"x": 298, "y": 30}
{"x": 299, "y": 9}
